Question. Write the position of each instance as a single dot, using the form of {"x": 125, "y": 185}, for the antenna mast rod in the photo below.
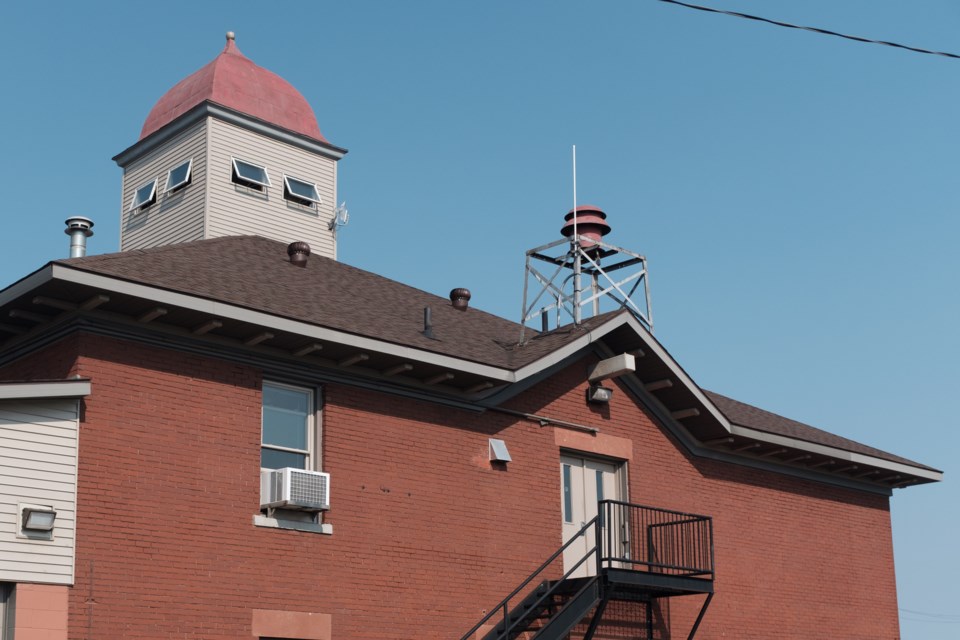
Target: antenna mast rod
{"x": 575, "y": 247}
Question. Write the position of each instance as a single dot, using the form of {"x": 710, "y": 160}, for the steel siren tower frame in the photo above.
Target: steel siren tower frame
{"x": 615, "y": 273}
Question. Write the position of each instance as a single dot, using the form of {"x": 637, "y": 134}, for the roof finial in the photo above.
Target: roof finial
{"x": 231, "y": 36}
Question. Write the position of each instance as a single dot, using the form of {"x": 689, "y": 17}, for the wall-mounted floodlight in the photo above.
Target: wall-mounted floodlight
{"x": 37, "y": 518}
{"x": 498, "y": 451}
{"x": 612, "y": 368}
{"x": 599, "y": 395}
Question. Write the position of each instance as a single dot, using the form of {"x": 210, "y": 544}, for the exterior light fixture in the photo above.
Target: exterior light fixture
{"x": 612, "y": 368}
{"x": 498, "y": 451}
{"x": 597, "y": 394}
{"x": 38, "y": 519}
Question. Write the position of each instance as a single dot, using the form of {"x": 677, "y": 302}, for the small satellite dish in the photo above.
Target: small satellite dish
{"x": 340, "y": 216}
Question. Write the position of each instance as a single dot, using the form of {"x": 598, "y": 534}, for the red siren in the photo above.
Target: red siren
{"x": 591, "y": 225}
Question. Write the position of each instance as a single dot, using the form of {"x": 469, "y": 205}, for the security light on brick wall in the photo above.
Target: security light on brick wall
{"x": 498, "y": 451}
{"x": 599, "y": 395}
{"x": 38, "y": 519}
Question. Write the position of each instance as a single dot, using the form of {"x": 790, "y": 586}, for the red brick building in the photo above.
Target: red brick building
{"x": 443, "y": 461}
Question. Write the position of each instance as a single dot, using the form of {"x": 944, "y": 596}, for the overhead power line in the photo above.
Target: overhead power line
{"x": 825, "y": 32}
{"x": 937, "y": 617}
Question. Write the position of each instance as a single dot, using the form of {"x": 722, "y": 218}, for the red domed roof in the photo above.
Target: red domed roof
{"x": 231, "y": 80}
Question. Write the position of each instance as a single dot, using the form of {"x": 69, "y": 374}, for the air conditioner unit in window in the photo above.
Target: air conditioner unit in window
{"x": 291, "y": 488}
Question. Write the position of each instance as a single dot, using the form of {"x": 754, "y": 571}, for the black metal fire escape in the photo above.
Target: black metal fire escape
{"x": 636, "y": 556}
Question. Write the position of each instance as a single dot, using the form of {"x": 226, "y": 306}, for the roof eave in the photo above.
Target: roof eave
{"x": 45, "y": 389}
{"x": 506, "y": 383}
{"x": 71, "y": 274}
{"x": 211, "y": 109}
{"x": 853, "y": 457}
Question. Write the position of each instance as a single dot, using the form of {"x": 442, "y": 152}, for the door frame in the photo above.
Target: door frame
{"x": 621, "y": 480}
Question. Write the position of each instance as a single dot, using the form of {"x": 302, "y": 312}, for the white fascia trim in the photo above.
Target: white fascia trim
{"x": 833, "y": 452}
{"x": 556, "y": 356}
{"x": 233, "y": 312}
{"x": 652, "y": 345}
{"x": 57, "y": 389}
{"x": 207, "y": 108}
{"x": 29, "y": 283}
{"x": 678, "y": 371}
{"x": 259, "y": 126}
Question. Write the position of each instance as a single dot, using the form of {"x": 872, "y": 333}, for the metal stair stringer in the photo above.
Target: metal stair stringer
{"x": 575, "y": 610}
{"x": 519, "y": 618}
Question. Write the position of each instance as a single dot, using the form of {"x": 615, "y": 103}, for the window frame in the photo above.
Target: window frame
{"x": 183, "y": 183}
{"x": 290, "y": 195}
{"x": 312, "y": 452}
{"x": 238, "y": 178}
{"x": 136, "y": 204}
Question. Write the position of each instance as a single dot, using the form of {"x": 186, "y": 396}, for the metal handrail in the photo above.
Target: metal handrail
{"x": 503, "y": 604}
{"x": 695, "y": 516}
{"x": 658, "y": 540}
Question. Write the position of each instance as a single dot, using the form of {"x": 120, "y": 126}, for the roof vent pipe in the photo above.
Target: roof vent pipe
{"x": 427, "y": 323}
{"x": 460, "y": 298}
{"x": 298, "y": 252}
{"x": 79, "y": 229}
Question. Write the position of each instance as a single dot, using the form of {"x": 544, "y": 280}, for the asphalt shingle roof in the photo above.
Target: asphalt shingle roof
{"x": 747, "y": 415}
{"x": 255, "y": 273}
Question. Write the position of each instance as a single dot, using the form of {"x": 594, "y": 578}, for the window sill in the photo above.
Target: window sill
{"x": 260, "y": 520}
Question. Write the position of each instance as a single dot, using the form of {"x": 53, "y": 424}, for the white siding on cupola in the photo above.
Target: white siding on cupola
{"x": 38, "y": 465}
{"x": 177, "y": 216}
{"x": 213, "y": 206}
{"x": 234, "y": 210}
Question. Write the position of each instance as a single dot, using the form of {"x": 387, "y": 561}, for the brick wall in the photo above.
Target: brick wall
{"x": 426, "y": 534}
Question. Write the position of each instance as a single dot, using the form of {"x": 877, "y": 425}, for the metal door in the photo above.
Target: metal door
{"x": 583, "y": 483}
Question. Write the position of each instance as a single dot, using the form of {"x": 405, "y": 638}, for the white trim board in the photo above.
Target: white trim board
{"x": 47, "y": 389}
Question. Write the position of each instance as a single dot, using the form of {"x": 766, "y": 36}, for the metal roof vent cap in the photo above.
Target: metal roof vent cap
{"x": 79, "y": 229}
{"x": 298, "y": 252}
{"x": 460, "y": 298}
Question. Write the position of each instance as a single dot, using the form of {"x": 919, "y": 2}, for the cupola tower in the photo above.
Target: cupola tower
{"x": 232, "y": 149}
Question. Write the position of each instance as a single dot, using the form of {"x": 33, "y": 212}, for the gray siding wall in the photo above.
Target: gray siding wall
{"x": 38, "y": 465}
{"x": 178, "y": 216}
{"x": 236, "y": 210}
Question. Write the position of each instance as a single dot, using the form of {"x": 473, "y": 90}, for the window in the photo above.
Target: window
{"x": 300, "y": 191}
{"x": 179, "y": 176}
{"x": 288, "y": 427}
{"x": 567, "y": 495}
{"x": 144, "y": 196}
{"x": 250, "y": 175}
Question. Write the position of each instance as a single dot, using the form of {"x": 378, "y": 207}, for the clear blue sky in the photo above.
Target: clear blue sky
{"x": 795, "y": 194}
